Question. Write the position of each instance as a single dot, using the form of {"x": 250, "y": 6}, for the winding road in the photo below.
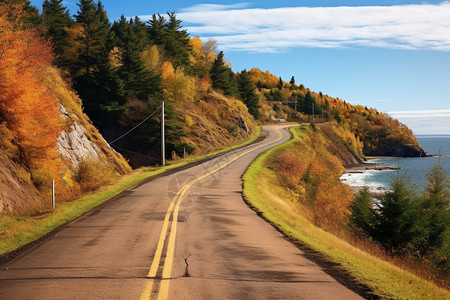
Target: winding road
{"x": 187, "y": 235}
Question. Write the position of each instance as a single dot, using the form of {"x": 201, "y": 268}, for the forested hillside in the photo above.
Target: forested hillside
{"x": 367, "y": 130}
{"x": 125, "y": 69}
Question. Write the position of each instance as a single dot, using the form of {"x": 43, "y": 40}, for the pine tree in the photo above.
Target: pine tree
{"x": 292, "y": 81}
{"x": 173, "y": 38}
{"x": 435, "y": 209}
{"x": 177, "y": 43}
{"x": 95, "y": 35}
{"x": 56, "y": 19}
{"x": 248, "y": 94}
{"x": 310, "y": 103}
{"x": 280, "y": 84}
{"x": 138, "y": 82}
{"x": 223, "y": 78}
{"x": 362, "y": 215}
{"x": 398, "y": 224}
{"x": 156, "y": 29}
{"x": 94, "y": 79}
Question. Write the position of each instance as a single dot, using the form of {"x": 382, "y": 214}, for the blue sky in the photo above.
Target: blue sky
{"x": 391, "y": 55}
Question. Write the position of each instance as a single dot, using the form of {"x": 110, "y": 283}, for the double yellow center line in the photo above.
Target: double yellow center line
{"x": 175, "y": 207}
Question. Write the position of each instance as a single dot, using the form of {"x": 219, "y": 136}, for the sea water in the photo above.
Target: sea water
{"x": 415, "y": 168}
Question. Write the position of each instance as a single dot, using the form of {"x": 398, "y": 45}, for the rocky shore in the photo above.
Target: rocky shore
{"x": 369, "y": 166}
{"x": 356, "y": 170}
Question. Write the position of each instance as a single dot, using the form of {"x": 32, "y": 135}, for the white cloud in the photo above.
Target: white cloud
{"x": 425, "y": 121}
{"x": 215, "y": 7}
{"x": 235, "y": 27}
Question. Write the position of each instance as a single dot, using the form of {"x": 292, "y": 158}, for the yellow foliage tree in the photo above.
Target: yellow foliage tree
{"x": 203, "y": 56}
{"x": 151, "y": 58}
{"x": 178, "y": 87}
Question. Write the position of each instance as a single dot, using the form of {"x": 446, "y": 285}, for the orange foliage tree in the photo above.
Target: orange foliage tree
{"x": 29, "y": 109}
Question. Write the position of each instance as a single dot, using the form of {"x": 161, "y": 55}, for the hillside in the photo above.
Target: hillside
{"x": 44, "y": 135}
{"x": 368, "y": 131}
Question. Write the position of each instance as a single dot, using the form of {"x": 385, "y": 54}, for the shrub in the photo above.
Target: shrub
{"x": 91, "y": 174}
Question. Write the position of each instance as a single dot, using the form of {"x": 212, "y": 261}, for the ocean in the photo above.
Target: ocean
{"x": 414, "y": 168}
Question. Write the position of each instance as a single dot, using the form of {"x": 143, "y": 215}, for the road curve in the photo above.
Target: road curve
{"x": 187, "y": 235}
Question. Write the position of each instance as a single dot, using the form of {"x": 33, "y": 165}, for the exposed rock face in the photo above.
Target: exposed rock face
{"x": 243, "y": 125}
{"x": 74, "y": 145}
{"x": 341, "y": 150}
{"x": 399, "y": 150}
{"x": 412, "y": 151}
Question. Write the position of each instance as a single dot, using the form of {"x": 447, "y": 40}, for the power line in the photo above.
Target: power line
{"x": 134, "y": 152}
{"x": 135, "y": 126}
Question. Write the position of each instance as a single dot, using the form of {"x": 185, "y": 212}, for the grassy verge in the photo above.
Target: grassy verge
{"x": 384, "y": 279}
{"x": 17, "y": 231}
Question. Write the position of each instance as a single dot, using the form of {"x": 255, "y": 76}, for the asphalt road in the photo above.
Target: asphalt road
{"x": 188, "y": 235}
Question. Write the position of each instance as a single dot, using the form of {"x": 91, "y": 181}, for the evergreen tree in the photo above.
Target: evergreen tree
{"x": 292, "y": 81}
{"x": 398, "y": 223}
{"x": 138, "y": 81}
{"x": 223, "y": 78}
{"x": 233, "y": 89}
{"x": 95, "y": 80}
{"x": 156, "y": 29}
{"x": 280, "y": 84}
{"x": 435, "y": 209}
{"x": 362, "y": 214}
{"x": 140, "y": 30}
{"x": 56, "y": 19}
{"x": 173, "y": 38}
{"x": 310, "y": 103}
{"x": 95, "y": 35}
{"x": 177, "y": 43}
{"x": 248, "y": 94}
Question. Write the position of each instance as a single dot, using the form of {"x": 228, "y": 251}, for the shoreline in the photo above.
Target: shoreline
{"x": 359, "y": 170}
{"x": 362, "y": 167}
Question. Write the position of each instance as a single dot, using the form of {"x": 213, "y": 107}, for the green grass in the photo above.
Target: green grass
{"x": 384, "y": 279}
{"x": 17, "y": 231}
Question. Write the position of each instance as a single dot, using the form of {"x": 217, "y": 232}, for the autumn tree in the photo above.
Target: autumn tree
{"x": 203, "y": 56}
{"x": 28, "y": 108}
{"x": 178, "y": 87}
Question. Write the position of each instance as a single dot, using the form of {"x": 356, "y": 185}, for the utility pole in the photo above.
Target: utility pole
{"x": 163, "y": 140}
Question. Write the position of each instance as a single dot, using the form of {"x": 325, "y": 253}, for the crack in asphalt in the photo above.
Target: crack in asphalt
{"x": 186, "y": 270}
